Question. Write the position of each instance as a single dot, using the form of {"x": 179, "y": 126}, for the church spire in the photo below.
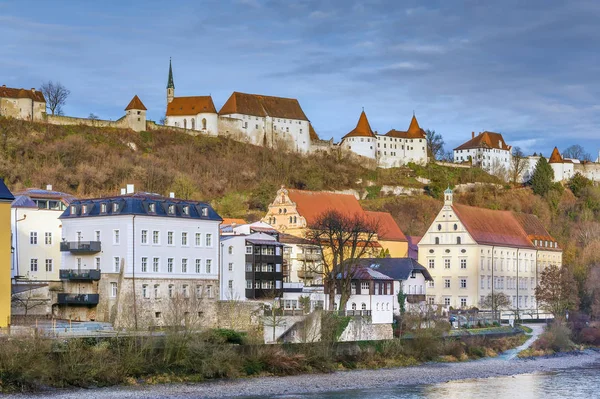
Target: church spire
{"x": 170, "y": 84}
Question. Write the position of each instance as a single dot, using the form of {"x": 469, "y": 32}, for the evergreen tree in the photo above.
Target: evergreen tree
{"x": 542, "y": 178}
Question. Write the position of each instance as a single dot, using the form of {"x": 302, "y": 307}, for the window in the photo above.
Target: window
{"x": 198, "y": 291}
{"x": 184, "y": 263}
{"x": 113, "y": 290}
{"x": 169, "y": 265}
{"x": 169, "y": 238}
{"x": 97, "y": 235}
{"x": 363, "y": 306}
{"x": 184, "y": 241}
{"x": 463, "y": 263}
{"x": 155, "y": 237}
{"x": 209, "y": 240}
{"x": 155, "y": 265}
{"x": 73, "y": 210}
{"x": 102, "y": 208}
{"x": 447, "y": 263}
{"x": 171, "y": 210}
{"x": 48, "y": 265}
{"x": 145, "y": 292}
{"x": 117, "y": 264}
{"x": 230, "y": 267}
{"x": 353, "y": 288}
{"x": 248, "y": 266}
{"x": 186, "y": 210}
{"x": 33, "y": 265}
{"x": 156, "y": 290}
{"x": 463, "y": 302}
{"x": 170, "y": 291}
{"x": 353, "y": 306}
{"x": 204, "y": 123}
{"x": 144, "y": 265}
{"x": 208, "y": 265}
{"x": 458, "y": 240}
{"x": 33, "y": 237}
{"x": 463, "y": 283}
{"x": 439, "y": 227}
{"x": 48, "y": 238}
{"x": 198, "y": 266}
{"x": 97, "y": 263}
{"x": 437, "y": 240}
{"x": 446, "y": 301}
{"x": 446, "y": 283}
{"x": 364, "y": 287}
{"x": 431, "y": 284}
{"x": 116, "y": 237}
{"x": 144, "y": 236}
{"x": 185, "y": 290}
{"x": 209, "y": 291}
{"x": 482, "y": 282}
{"x": 230, "y": 250}
{"x": 115, "y": 207}
{"x": 431, "y": 263}
{"x": 152, "y": 208}
{"x": 198, "y": 239}
{"x": 84, "y": 209}
{"x": 230, "y": 284}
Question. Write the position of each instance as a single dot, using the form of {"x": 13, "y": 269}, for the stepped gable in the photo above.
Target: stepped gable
{"x": 183, "y": 106}
{"x": 136, "y": 103}
{"x": 33, "y": 94}
{"x": 362, "y": 129}
{"x": 387, "y": 228}
{"x": 259, "y": 105}
{"x": 485, "y": 140}
{"x": 312, "y": 204}
{"x": 414, "y": 131}
{"x": 555, "y": 157}
{"x": 491, "y": 227}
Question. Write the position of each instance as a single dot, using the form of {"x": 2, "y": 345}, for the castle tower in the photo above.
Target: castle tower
{"x": 135, "y": 114}
{"x": 170, "y": 85}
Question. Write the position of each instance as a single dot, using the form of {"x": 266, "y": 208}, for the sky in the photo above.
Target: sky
{"x": 527, "y": 69}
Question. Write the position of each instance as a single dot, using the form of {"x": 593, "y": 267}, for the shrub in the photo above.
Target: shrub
{"x": 556, "y": 338}
{"x": 589, "y": 336}
{"x": 225, "y": 335}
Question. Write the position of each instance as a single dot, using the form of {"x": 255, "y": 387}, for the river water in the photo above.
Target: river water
{"x": 582, "y": 383}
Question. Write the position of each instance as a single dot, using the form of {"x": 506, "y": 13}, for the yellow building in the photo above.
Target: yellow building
{"x": 6, "y": 199}
{"x": 391, "y": 238}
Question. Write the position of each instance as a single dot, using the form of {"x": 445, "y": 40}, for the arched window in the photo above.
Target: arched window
{"x": 280, "y": 210}
{"x": 193, "y": 124}
{"x": 455, "y": 227}
{"x": 437, "y": 240}
{"x": 291, "y": 218}
{"x": 185, "y": 123}
{"x": 295, "y": 219}
{"x": 458, "y": 240}
{"x": 203, "y": 123}
{"x": 353, "y": 306}
{"x": 363, "y": 306}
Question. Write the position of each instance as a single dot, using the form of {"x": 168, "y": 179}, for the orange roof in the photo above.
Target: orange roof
{"x": 9, "y": 92}
{"x": 259, "y": 105}
{"x": 362, "y": 129}
{"x": 312, "y": 133}
{"x": 387, "y": 228}
{"x": 491, "y": 227}
{"x": 183, "y": 106}
{"x": 485, "y": 140}
{"x": 414, "y": 131}
{"x": 534, "y": 229}
{"x": 233, "y": 221}
{"x": 136, "y": 103}
{"x": 312, "y": 204}
{"x": 555, "y": 157}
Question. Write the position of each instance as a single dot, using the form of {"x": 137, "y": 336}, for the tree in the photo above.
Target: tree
{"x": 29, "y": 297}
{"x": 578, "y": 183}
{"x": 557, "y": 291}
{"x": 543, "y": 175}
{"x": 56, "y": 96}
{"x": 518, "y": 165}
{"x": 576, "y": 152}
{"x": 342, "y": 239}
{"x": 496, "y": 301}
{"x": 93, "y": 116}
{"x": 435, "y": 144}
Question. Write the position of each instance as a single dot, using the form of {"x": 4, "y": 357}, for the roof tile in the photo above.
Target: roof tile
{"x": 259, "y": 105}
{"x": 9, "y": 92}
{"x": 312, "y": 204}
{"x": 485, "y": 140}
{"x": 387, "y": 228}
{"x": 362, "y": 129}
{"x": 183, "y": 106}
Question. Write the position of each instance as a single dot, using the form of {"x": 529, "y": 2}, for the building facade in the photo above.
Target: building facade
{"x": 6, "y": 199}
{"x": 302, "y": 261}
{"x": 22, "y": 104}
{"x": 487, "y": 150}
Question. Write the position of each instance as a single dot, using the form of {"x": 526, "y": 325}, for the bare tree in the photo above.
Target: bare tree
{"x": 518, "y": 165}
{"x": 497, "y": 169}
{"x": 56, "y": 96}
{"x": 576, "y": 152}
{"x": 342, "y": 239}
{"x": 557, "y": 291}
{"x": 495, "y": 302}
{"x": 435, "y": 144}
{"x": 29, "y": 298}
{"x": 93, "y": 116}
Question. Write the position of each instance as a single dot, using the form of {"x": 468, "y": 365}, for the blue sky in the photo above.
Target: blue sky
{"x": 528, "y": 69}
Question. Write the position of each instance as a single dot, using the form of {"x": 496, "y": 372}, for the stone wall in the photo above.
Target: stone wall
{"x": 69, "y": 120}
{"x": 360, "y": 329}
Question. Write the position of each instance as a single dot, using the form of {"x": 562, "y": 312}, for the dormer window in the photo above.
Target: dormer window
{"x": 115, "y": 207}
{"x": 171, "y": 209}
{"x": 73, "y": 210}
{"x": 103, "y": 208}
{"x": 186, "y": 210}
{"x": 84, "y": 209}
{"x": 152, "y": 208}
{"x": 204, "y": 212}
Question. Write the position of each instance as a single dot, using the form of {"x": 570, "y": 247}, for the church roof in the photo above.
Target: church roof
{"x": 259, "y": 105}
{"x": 387, "y": 228}
{"x": 414, "y": 131}
{"x": 362, "y": 129}
{"x": 555, "y": 157}
{"x": 170, "y": 84}
{"x": 184, "y": 106}
{"x": 312, "y": 204}
{"x": 485, "y": 140}
{"x": 9, "y": 92}
{"x": 136, "y": 103}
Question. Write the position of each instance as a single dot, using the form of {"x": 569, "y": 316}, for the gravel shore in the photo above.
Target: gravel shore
{"x": 430, "y": 373}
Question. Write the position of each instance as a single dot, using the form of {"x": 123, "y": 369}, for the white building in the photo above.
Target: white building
{"x": 487, "y": 150}
{"x": 36, "y": 233}
{"x": 22, "y": 104}
{"x": 361, "y": 140}
{"x": 472, "y": 252}
{"x": 137, "y": 248}
{"x": 302, "y": 261}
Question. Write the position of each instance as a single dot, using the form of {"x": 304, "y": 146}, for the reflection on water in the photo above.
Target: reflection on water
{"x": 573, "y": 384}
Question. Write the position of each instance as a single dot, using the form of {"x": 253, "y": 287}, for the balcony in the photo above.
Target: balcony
{"x": 80, "y": 274}
{"x": 80, "y": 247}
{"x": 309, "y": 274}
{"x": 78, "y": 299}
{"x": 309, "y": 257}
{"x": 415, "y": 298}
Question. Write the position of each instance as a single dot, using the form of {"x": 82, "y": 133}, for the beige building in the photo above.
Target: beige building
{"x": 472, "y": 252}
{"x": 22, "y": 104}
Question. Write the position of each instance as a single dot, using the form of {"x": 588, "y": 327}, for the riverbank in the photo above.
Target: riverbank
{"x": 429, "y": 373}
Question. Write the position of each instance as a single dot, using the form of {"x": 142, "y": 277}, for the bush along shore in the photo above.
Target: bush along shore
{"x": 37, "y": 364}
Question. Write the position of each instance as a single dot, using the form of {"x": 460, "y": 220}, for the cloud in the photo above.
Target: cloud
{"x": 319, "y": 14}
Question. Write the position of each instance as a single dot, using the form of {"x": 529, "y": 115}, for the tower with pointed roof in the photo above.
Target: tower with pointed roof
{"x": 170, "y": 85}
{"x": 361, "y": 140}
{"x": 135, "y": 114}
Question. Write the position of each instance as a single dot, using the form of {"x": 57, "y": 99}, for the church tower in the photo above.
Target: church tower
{"x": 170, "y": 85}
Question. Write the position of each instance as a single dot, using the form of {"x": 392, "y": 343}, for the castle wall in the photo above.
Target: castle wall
{"x": 22, "y": 108}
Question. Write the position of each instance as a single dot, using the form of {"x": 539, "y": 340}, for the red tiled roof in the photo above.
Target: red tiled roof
{"x": 485, "y": 140}
{"x": 414, "y": 131}
{"x": 362, "y": 129}
{"x": 312, "y": 133}
{"x": 534, "y": 229}
{"x": 491, "y": 227}
{"x": 555, "y": 157}
{"x": 259, "y": 105}
{"x": 387, "y": 228}
{"x": 312, "y": 204}
{"x": 9, "y": 92}
{"x": 183, "y": 106}
{"x": 136, "y": 103}
{"x": 233, "y": 221}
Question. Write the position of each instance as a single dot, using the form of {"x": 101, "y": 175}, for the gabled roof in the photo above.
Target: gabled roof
{"x": 9, "y": 92}
{"x": 485, "y": 140}
{"x": 23, "y": 201}
{"x": 414, "y": 131}
{"x": 136, "y": 103}
{"x": 555, "y": 157}
{"x": 233, "y": 221}
{"x": 37, "y": 193}
{"x": 184, "y": 106}
{"x": 362, "y": 129}
{"x": 311, "y": 131}
{"x": 290, "y": 239}
{"x": 387, "y": 228}
{"x": 5, "y": 193}
{"x": 259, "y": 105}
{"x": 312, "y": 204}
{"x": 363, "y": 272}
{"x": 396, "y": 268}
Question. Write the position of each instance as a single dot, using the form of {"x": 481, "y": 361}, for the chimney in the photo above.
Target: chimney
{"x": 123, "y": 191}
{"x": 171, "y": 195}
{"x": 130, "y": 189}
{"x": 472, "y": 135}
{"x": 48, "y": 187}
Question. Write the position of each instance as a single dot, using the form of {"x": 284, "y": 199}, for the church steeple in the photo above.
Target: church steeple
{"x": 170, "y": 84}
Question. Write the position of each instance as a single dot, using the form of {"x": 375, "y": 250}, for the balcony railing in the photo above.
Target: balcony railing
{"x": 81, "y": 247}
{"x": 309, "y": 257}
{"x": 78, "y": 299}
{"x": 80, "y": 274}
{"x": 415, "y": 298}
